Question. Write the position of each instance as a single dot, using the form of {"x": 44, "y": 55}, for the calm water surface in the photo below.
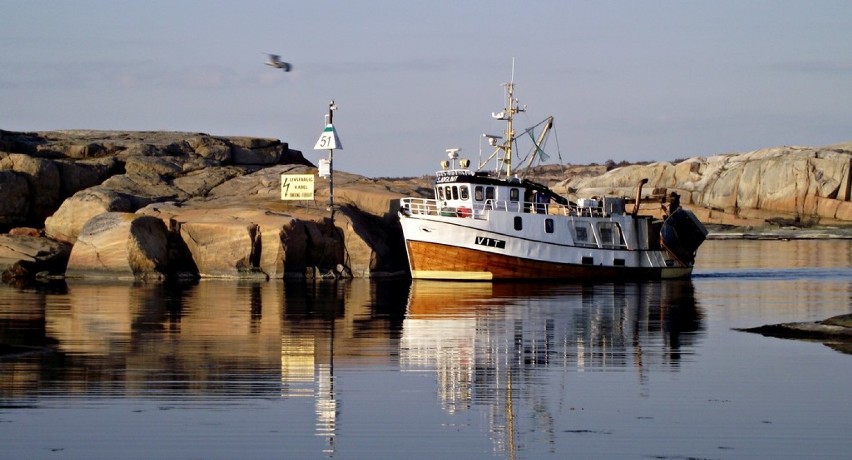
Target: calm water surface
{"x": 435, "y": 370}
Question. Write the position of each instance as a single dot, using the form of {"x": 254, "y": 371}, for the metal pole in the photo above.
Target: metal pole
{"x": 331, "y": 109}
{"x": 331, "y": 183}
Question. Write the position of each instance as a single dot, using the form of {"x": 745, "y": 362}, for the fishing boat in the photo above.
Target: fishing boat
{"x": 493, "y": 225}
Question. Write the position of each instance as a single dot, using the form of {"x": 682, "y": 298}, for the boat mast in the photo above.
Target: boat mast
{"x": 510, "y": 132}
{"x": 509, "y": 116}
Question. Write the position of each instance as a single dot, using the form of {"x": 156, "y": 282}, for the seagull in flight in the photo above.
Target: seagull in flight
{"x": 275, "y": 61}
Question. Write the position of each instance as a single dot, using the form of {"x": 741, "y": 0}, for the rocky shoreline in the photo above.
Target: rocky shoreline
{"x": 772, "y": 232}
{"x": 164, "y": 205}
{"x": 834, "y": 332}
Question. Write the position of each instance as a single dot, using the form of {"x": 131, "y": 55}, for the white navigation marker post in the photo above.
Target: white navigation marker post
{"x": 329, "y": 140}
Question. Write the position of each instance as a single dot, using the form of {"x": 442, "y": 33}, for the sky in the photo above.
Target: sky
{"x": 625, "y": 80}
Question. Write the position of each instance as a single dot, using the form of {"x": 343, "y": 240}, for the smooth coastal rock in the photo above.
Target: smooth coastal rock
{"x": 837, "y": 327}
{"x": 121, "y": 245}
{"x": 15, "y": 202}
{"x": 217, "y": 201}
{"x": 264, "y": 236}
{"x": 799, "y": 183}
{"x": 835, "y": 332}
{"x": 155, "y": 205}
{"x": 67, "y": 222}
{"x": 27, "y": 255}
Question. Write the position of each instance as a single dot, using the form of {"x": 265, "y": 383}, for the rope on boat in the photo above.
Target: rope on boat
{"x": 535, "y": 149}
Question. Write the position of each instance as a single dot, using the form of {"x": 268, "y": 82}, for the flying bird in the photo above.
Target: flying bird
{"x": 275, "y": 61}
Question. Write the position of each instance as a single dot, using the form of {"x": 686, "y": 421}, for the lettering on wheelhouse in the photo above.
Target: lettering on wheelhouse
{"x": 490, "y": 242}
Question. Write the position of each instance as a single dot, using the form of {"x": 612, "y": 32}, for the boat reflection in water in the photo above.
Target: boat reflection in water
{"x": 502, "y": 345}
{"x": 498, "y": 348}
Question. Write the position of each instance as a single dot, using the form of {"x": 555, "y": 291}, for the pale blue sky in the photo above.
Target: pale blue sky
{"x": 626, "y": 80}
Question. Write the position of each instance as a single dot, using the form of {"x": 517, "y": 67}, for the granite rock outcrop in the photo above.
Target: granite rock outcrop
{"x": 158, "y": 205}
{"x": 796, "y": 183}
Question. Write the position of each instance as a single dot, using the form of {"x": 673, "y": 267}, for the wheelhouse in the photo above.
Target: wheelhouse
{"x": 461, "y": 189}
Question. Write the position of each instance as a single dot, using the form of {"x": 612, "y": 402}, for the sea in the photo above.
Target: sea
{"x": 366, "y": 369}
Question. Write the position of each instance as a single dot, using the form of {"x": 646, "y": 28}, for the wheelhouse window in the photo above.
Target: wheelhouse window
{"x": 519, "y": 223}
{"x": 489, "y": 193}
{"x": 465, "y": 192}
{"x": 582, "y": 233}
{"x": 611, "y": 234}
{"x": 455, "y": 192}
{"x": 606, "y": 235}
{"x": 478, "y": 193}
{"x": 441, "y": 193}
{"x": 514, "y": 194}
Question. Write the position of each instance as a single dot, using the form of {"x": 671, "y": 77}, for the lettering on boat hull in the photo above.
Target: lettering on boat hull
{"x": 501, "y": 225}
{"x": 490, "y": 242}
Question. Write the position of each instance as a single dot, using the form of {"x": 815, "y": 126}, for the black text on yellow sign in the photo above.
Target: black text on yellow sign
{"x": 297, "y": 186}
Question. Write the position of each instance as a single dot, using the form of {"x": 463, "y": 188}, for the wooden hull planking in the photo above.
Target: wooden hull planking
{"x": 439, "y": 261}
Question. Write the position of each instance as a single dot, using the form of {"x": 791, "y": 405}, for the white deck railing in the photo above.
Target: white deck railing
{"x": 431, "y": 207}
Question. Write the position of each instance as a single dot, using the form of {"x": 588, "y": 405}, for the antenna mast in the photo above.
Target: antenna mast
{"x": 510, "y": 116}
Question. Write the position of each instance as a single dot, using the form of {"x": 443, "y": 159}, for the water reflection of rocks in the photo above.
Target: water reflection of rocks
{"x": 491, "y": 345}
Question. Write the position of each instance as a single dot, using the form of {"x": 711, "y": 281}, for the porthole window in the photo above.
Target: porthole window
{"x": 548, "y": 225}
{"x": 519, "y": 223}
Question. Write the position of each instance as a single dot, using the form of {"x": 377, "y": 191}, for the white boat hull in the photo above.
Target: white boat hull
{"x": 490, "y": 226}
{"x": 452, "y": 248}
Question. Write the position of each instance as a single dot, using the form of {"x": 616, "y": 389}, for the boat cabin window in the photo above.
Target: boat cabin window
{"x": 489, "y": 193}
{"x": 548, "y": 225}
{"x": 465, "y": 192}
{"x": 583, "y": 235}
{"x": 478, "y": 194}
{"x": 606, "y": 235}
{"x": 514, "y": 194}
{"x": 611, "y": 234}
{"x": 519, "y": 223}
{"x": 441, "y": 193}
{"x": 455, "y": 192}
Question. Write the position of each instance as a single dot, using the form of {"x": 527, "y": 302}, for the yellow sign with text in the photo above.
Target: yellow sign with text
{"x": 297, "y": 186}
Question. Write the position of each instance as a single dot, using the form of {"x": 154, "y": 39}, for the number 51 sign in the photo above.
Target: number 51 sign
{"x": 328, "y": 139}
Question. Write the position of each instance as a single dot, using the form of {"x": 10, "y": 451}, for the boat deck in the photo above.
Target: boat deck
{"x": 432, "y": 207}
